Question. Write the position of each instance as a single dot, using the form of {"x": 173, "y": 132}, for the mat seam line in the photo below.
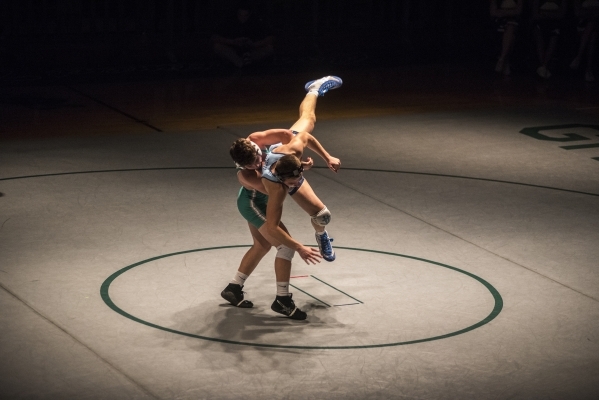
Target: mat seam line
{"x": 134, "y": 118}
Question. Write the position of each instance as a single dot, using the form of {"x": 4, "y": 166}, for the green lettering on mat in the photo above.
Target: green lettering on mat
{"x": 535, "y": 132}
{"x": 580, "y": 146}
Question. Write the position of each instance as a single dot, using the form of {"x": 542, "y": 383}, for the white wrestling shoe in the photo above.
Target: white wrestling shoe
{"x": 323, "y": 85}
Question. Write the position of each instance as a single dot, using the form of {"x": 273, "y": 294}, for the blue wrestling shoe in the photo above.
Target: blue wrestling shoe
{"x": 324, "y": 245}
{"x": 323, "y": 85}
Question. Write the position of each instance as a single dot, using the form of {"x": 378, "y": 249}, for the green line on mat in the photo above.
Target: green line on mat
{"x": 341, "y": 291}
{"x": 315, "y": 298}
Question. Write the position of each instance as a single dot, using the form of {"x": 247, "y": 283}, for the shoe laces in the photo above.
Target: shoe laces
{"x": 327, "y": 85}
{"x": 240, "y": 291}
{"x": 287, "y": 302}
{"x": 325, "y": 242}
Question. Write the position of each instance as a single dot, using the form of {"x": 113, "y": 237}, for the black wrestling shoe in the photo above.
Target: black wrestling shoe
{"x": 234, "y": 295}
{"x": 285, "y": 305}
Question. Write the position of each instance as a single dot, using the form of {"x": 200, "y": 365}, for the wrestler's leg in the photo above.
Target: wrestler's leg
{"x": 283, "y": 303}
{"x": 309, "y": 202}
{"x": 307, "y": 114}
{"x": 252, "y": 206}
{"x": 282, "y": 265}
{"x": 256, "y": 252}
{"x": 320, "y": 216}
{"x": 233, "y": 293}
{"x": 307, "y": 109}
{"x": 262, "y": 244}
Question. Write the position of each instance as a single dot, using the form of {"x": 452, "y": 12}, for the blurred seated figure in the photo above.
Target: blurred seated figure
{"x": 242, "y": 38}
{"x": 547, "y": 17}
{"x": 587, "y": 13}
{"x": 506, "y": 14}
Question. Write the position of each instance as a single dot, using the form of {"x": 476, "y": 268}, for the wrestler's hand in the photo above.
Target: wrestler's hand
{"x": 308, "y": 163}
{"x": 334, "y": 164}
{"x": 309, "y": 254}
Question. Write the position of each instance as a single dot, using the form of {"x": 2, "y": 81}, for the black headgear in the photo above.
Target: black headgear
{"x": 289, "y": 174}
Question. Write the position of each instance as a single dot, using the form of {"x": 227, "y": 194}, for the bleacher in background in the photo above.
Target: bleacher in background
{"x": 73, "y": 36}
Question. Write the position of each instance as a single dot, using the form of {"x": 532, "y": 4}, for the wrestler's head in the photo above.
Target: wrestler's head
{"x": 289, "y": 170}
{"x": 246, "y": 154}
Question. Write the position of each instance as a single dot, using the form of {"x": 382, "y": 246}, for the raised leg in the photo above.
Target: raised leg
{"x": 307, "y": 114}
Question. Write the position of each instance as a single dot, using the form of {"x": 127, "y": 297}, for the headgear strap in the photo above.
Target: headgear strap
{"x": 291, "y": 174}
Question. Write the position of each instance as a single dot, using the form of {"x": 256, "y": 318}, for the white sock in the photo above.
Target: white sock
{"x": 239, "y": 278}
{"x": 314, "y": 92}
{"x": 320, "y": 233}
{"x": 282, "y": 288}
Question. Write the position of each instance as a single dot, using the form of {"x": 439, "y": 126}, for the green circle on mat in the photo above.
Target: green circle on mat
{"x": 494, "y": 313}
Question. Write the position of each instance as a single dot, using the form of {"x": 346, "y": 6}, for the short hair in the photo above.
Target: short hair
{"x": 242, "y": 152}
{"x": 288, "y": 166}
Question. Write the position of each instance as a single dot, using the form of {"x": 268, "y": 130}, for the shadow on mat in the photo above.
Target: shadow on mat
{"x": 258, "y": 325}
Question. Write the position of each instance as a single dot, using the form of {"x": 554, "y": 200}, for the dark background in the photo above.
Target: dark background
{"x": 87, "y": 40}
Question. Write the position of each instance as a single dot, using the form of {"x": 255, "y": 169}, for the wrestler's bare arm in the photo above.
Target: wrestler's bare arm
{"x": 250, "y": 179}
{"x": 274, "y": 210}
{"x": 304, "y": 139}
{"x": 271, "y": 136}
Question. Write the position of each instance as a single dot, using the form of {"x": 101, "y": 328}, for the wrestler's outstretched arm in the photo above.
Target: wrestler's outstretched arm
{"x": 304, "y": 139}
{"x": 271, "y": 136}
